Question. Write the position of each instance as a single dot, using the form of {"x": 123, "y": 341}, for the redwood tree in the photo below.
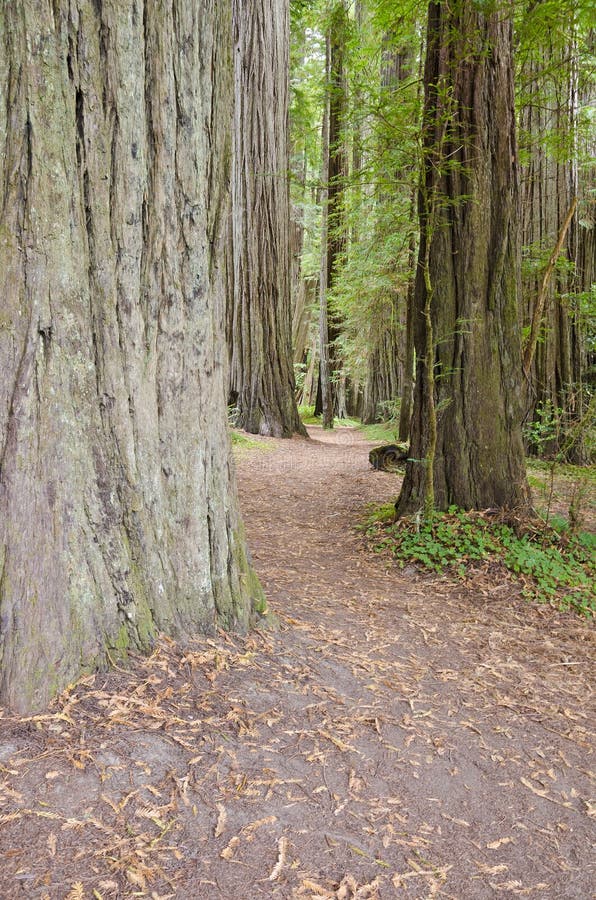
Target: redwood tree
{"x": 118, "y": 512}
{"x": 466, "y": 418}
{"x": 260, "y": 315}
{"x": 334, "y": 237}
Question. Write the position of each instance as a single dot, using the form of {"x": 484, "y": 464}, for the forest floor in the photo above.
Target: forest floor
{"x": 397, "y": 735}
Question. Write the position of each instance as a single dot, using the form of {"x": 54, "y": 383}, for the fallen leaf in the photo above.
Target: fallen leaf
{"x": 221, "y": 820}
{"x": 494, "y": 845}
{"x": 52, "y": 842}
{"x": 229, "y": 851}
{"x": 282, "y": 856}
{"x": 347, "y": 889}
{"x": 136, "y": 878}
{"x": 341, "y": 745}
{"x": 544, "y": 794}
{"x": 77, "y": 892}
{"x": 317, "y": 889}
{"x": 461, "y": 822}
{"x": 492, "y": 870}
{"x": 258, "y": 823}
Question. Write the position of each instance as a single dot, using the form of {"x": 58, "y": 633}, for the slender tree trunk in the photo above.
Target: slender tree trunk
{"x": 310, "y": 377}
{"x": 302, "y": 325}
{"x": 405, "y": 411}
{"x": 538, "y": 311}
{"x": 468, "y": 212}
{"x": 336, "y": 174}
{"x": 383, "y": 377}
{"x": 324, "y": 399}
{"x": 118, "y": 512}
{"x": 407, "y": 395}
{"x": 261, "y": 367}
{"x": 391, "y": 338}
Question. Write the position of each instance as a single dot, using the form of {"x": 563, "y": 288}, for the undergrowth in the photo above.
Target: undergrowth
{"x": 307, "y": 415}
{"x": 563, "y": 487}
{"x": 553, "y": 565}
{"x": 380, "y": 432}
{"x": 240, "y": 439}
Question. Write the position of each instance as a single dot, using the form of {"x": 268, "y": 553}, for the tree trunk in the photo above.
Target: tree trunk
{"x": 407, "y": 393}
{"x": 334, "y": 229}
{"x": 324, "y": 397}
{"x": 468, "y": 213}
{"x": 383, "y": 378}
{"x": 391, "y": 341}
{"x": 118, "y": 513}
{"x": 261, "y": 368}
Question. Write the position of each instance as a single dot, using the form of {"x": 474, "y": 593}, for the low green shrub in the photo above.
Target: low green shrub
{"x": 307, "y": 414}
{"x": 554, "y": 565}
{"x": 241, "y": 439}
{"x": 380, "y": 432}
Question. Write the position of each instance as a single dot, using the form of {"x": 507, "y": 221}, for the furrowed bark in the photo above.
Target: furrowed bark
{"x": 470, "y": 185}
{"x": 118, "y": 513}
{"x": 260, "y": 333}
{"x": 335, "y": 172}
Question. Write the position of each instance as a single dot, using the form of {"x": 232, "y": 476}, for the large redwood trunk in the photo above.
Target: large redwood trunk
{"x": 118, "y": 512}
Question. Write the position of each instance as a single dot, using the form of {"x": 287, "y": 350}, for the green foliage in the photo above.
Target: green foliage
{"x": 553, "y": 565}
{"x": 537, "y": 467}
{"x": 446, "y": 540}
{"x": 380, "y": 432}
{"x": 583, "y": 307}
{"x": 561, "y": 568}
{"x": 535, "y": 258}
{"x": 380, "y": 137}
{"x": 299, "y": 376}
{"x": 240, "y": 439}
{"x": 378, "y": 515}
{"x": 307, "y": 414}
{"x": 544, "y": 428}
{"x": 558, "y": 486}
{"x": 558, "y": 434}
{"x": 545, "y": 33}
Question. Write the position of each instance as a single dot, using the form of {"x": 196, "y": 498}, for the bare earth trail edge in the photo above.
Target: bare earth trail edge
{"x": 397, "y": 736}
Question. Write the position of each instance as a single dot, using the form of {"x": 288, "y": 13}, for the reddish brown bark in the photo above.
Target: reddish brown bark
{"x": 468, "y": 213}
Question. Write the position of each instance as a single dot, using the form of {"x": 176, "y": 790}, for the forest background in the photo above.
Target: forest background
{"x": 357, "y": 72}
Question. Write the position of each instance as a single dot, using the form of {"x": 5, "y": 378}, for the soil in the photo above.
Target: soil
{"x": 394, "y": 735}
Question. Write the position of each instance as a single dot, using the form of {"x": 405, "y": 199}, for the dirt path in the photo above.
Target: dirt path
{"x": 396, "y": 736}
